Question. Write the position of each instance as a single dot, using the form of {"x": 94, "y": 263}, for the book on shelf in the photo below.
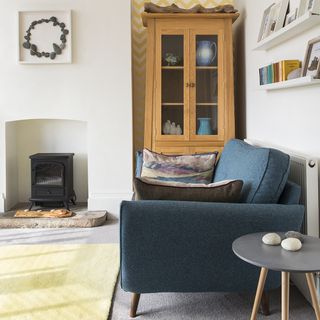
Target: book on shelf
{"x": 278, "y": 71}
{"x": 288, "y": 66}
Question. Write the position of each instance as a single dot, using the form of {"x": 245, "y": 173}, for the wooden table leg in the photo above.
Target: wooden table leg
{"x": 257, "y": 300}
{"x": 313, "y": 293}
{"x": 285, "y": 290}
{"x": 265, "y": 304}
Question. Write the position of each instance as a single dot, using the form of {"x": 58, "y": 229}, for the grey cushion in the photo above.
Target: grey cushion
{"x": 263, "y": 171}
{"x": 139, "y": 163}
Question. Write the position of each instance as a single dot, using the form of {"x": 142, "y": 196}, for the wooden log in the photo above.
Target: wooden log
{"x": 58, "y": 213}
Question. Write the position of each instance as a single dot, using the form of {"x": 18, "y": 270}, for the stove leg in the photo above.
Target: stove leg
{"x": 74, "y": 198}
{"x": 66, "y": 204}
{"x": 31, "y": 205}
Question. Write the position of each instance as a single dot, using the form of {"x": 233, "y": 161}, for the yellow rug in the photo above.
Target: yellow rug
{"x": 57, "y": 282}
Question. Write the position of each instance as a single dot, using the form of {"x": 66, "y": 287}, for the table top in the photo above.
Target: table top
{"x": 251, "y": 249}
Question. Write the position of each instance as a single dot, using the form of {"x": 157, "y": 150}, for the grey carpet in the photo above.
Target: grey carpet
{"x": 202, "y": 306}
{"x": 213, "y": 306}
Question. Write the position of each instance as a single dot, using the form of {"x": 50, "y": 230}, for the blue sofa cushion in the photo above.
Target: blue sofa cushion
{"x": 263, "y": 171}
{"x": 291, "y": 194}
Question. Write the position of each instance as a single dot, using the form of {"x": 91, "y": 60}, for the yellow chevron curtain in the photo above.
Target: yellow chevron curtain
{"x": 139, "y": 41}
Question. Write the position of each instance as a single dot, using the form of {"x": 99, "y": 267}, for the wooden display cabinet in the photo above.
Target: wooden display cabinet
{"x": 189, "y": 82}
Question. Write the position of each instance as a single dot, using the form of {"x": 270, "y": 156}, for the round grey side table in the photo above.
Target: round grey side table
{"x": 251, "y": 249}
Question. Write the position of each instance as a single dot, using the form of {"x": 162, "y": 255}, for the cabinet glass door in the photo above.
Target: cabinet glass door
{"x": 205, "y": 85}
{"x": 172, "y": 96}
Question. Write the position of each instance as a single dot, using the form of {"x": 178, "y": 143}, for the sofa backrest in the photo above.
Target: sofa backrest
{"x": 264, "y": 171}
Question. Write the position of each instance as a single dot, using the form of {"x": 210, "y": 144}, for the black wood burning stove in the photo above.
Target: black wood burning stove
{"x": 52, "y": 179}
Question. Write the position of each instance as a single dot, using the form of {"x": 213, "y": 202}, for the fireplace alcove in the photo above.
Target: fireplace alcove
{"x": 24, "y": 138}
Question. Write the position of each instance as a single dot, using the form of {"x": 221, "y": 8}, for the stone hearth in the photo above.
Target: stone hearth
{"x": 82, "y": 219}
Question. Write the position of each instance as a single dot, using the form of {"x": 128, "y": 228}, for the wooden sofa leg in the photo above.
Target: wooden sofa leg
{"x": 134, "y": 304}
{"x": 265, "y": 304}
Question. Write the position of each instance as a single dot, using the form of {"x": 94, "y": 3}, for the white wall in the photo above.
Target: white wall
{"x": 290, "y": 117}
{"x": 96, "y": 88}
{"x": 44, "y": 136}
{"x": 12, "y": 194}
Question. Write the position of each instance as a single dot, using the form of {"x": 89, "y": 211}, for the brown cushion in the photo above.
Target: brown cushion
{"x": 151, "y": 189}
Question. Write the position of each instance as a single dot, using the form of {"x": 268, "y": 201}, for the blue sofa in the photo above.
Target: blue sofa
{"x": 175, "y": 246}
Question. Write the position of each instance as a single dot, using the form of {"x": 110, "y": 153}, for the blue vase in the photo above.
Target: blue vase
{"x": 206, "y": 52}
{"x": 204, "y": 127}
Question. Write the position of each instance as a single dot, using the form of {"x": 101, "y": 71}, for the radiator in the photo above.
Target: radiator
{"x": 305, "y": 172}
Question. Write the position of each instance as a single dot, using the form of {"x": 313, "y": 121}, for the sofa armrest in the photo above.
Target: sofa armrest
{"x": 187, "y": 246}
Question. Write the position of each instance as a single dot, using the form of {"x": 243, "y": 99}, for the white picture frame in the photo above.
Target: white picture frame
{"x": 43, "y": 36}
{"x": 311, "y": 62}
{"x": 312, "y": 6}
{"x": 294, "y": 4}
{"x": 265, "y": 23}
{"x": 291, "y": 16}
{"x": 273, "y": 17}
{"x": 278, "y": 15}
{"x": 302, "y": 8}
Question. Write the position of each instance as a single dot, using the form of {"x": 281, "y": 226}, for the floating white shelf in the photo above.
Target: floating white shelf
{"x": 303, "y": 23}
{"x": 299, "y": 82}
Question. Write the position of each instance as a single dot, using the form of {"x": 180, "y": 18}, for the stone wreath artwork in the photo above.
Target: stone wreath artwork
{"x": 57, "y": 48}
{"x": 153, "y": 8}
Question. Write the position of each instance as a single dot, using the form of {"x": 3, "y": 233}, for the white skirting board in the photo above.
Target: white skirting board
{"x": 2, "y": 203}
{"x": 109, "y": 202}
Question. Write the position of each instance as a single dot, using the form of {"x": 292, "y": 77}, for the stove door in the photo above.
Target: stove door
{"x": 48, "y": 173}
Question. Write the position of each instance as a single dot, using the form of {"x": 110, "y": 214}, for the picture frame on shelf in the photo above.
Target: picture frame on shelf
{"x": 291, "y": 16}
{"x": 298, "y": 5}
{"x": 311, "y": 63}
{"x": 302, "y": 8}
{"x": 277, "y": 16}
{"x": 312, "y": 6}
{"x": 265, "y": 23}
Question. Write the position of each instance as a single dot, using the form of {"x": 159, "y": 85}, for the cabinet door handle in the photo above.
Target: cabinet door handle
{"x": 187, "y": 85}
{"x": 192, "y": 84}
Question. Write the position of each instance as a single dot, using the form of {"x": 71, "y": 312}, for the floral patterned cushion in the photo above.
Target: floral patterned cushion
{"x": 197, "y": 168}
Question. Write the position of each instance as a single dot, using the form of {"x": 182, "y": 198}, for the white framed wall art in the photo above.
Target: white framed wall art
{"x": 45, "y": 37}
{"x": 313, "y": 6}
